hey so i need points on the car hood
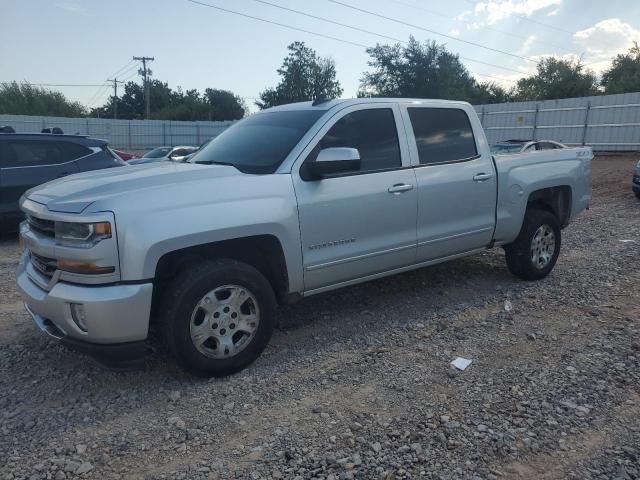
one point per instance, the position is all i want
(75, 193)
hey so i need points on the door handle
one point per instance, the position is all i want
(481, 177)
(400, 188)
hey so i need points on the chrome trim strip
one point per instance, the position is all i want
(451, 237)
(93, 152)
(319, 266)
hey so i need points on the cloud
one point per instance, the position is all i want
(604, 40)
(73, 8)
(493, 11)
(524, 49)
(455, 32)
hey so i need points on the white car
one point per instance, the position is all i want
(519, 146)
(163, 154)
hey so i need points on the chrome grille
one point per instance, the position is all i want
(44, 227)
(46, 266)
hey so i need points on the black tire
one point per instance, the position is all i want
(182, 295)
(637, 192)
(518, 253)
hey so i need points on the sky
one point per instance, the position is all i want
(85, 42)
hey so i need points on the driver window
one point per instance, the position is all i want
(373, 132)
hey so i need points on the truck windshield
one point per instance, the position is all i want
(259, 143)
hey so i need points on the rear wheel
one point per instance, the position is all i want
(217, 317)
(535, 252)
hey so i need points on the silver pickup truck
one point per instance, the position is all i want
(293, 201)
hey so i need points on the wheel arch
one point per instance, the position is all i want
(263, 252)
(556, 200)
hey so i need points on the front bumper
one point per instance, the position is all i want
(115, 317)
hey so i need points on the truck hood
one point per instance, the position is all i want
(75, 193)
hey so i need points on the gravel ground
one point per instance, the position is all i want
(357, 384)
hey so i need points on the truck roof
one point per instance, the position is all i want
(319, 105)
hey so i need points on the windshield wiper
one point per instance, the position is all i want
(212, 162)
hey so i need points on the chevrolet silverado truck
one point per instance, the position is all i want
(293, 201)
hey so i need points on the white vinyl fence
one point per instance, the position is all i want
(608, 122)
(125, 134)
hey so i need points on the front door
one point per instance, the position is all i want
(361, 223)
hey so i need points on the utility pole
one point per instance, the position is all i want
(145, 72)
(115, 96)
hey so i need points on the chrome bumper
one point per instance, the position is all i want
(112, 313)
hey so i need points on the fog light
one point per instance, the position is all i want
(78, 315)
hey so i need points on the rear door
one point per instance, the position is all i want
(456, 184)
(25, 163)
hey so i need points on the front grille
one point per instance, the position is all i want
(44, 227)
(46, 266)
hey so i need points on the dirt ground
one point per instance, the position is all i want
(357, 383)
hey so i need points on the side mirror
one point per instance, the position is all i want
(335, 160)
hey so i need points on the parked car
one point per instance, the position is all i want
(635, 185)
(518, 146)
(289, 202)
(161, 154)
(126, 156)
(29, 159)
(202, 145)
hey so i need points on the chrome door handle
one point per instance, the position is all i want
(399, 188)
(481, 177)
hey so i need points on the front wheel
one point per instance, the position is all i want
(535, 252)
(217, 317)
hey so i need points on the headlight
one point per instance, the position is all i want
(81, 235)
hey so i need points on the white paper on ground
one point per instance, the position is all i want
(461, 363)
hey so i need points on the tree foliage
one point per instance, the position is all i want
(304, 76)
(168, 104)
(26, 99)
(423, 70)
(557, 78)
(624, 74)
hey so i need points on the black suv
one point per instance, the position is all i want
(29, 159)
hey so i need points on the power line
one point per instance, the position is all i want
(105, 86)
(486, 27)
(278, 24)
(336, 38)
(60, 84)
(357, 29)
(433, 32)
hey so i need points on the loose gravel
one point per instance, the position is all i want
(358, 383)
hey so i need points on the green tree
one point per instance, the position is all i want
(224, 105)
(557, 78)
(168, 104)
(624, 74)
(491, 92)
(423, 70)
(304, 76)
(26, 99)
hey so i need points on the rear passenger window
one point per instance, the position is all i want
(28, 153)
(442, 135)
(24, 153)
(373, 132)
(70, 151)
